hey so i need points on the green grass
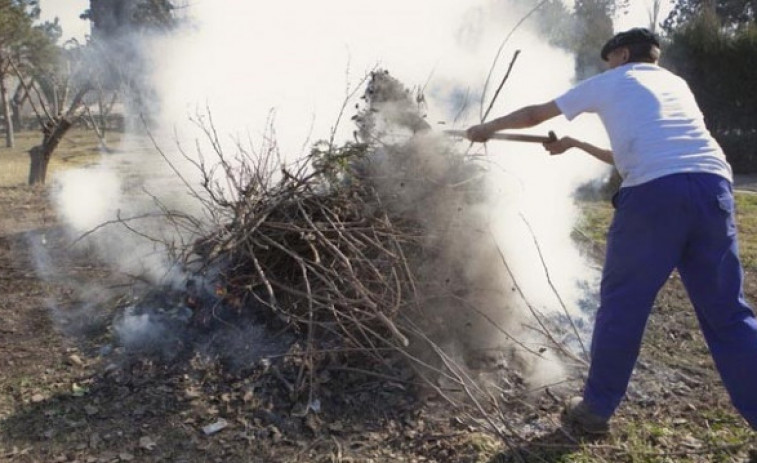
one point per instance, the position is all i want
(724, 438)
(594, 220)
(596, 217)
(746, 215)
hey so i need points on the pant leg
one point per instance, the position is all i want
(644, 244)
(711, 271)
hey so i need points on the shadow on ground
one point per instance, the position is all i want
(546, 448)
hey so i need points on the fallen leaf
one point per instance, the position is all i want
(215, 427)
(691, 442)
(78, 391)
(147, 443)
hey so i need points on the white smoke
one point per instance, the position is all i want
(87, 196)
(291, 65)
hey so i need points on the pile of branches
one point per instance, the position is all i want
(371, 251)
(324, 259)
(314, 244)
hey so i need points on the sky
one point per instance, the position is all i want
(638, 14)
(68, 12)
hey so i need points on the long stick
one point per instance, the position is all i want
(510, 136)
(501, 84)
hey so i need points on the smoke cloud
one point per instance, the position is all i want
(285, 71)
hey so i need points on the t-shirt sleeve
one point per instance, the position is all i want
(586, 97)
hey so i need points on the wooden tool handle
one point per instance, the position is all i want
(512, 136)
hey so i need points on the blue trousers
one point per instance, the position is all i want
(683, 221)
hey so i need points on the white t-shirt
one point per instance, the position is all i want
(653, 121)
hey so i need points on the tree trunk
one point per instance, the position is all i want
(40, 155)
(15, 114)
(17, 102)
(38, 166)
(7, 121)
(708, 7)
(52, 133)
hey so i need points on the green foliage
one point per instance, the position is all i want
(720, 65)
(18, 36)
(22, 44)
(155, 14)
(41, 51)
(594, 27)
(112, 18)
(731, 13)
(334, 164)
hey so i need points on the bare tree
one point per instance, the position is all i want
(653, 12)
(56, 110)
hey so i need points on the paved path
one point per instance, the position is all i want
(745, 182)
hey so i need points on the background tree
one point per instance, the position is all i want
(97, 70)
(732, 14)
(557, 23)
(41, 57)
(119, 31)
(19, 41)
(594, 25)
(653, 12)
(713, 45)
(57, 97)
(582, 30)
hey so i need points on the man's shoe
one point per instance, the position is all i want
(578, 415)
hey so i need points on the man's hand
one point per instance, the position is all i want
(479, 133)
(560, 146)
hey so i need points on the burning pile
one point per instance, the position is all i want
(322, 256)
(376, 246)
(331, 247)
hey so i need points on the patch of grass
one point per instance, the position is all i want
(79, 147)
(714, 433)
(483, 445)
(746, 215)
(662, 441)
(594, 221)
(597, 215)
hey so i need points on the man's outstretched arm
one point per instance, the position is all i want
(528, 116)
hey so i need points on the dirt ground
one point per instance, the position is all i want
(64, 398)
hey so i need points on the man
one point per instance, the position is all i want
(675, 209)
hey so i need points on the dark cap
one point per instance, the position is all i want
(629, 37)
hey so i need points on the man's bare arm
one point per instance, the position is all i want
(565, 143)
(527, 116)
